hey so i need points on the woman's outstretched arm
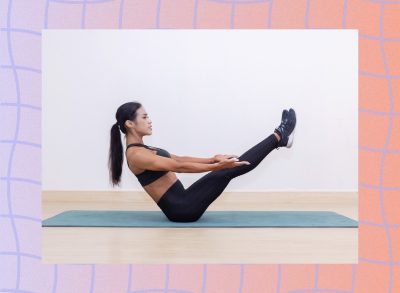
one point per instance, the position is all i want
(148, 161)
(193, 159)
(215, 159)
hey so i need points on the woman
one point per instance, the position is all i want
(155, 168)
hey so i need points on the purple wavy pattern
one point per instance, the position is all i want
(13, 146)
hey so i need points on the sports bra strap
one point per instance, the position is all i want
(135, 144)
(140, 144)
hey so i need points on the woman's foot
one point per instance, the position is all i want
(286, 129)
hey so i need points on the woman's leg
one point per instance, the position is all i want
(205, 190)
(254, 156)
(187, 205)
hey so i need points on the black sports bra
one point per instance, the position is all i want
(149, 176)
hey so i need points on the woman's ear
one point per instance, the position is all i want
(129, 124)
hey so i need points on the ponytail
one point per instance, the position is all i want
(125, 112)
(115, 155)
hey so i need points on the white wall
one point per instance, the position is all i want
(207, 92)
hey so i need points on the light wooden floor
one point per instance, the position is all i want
(78, 245)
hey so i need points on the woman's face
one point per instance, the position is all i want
(143, 122)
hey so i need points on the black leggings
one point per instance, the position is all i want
(188, 205)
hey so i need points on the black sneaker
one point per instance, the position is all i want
(286, 129)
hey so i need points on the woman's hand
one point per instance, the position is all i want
(230, 163)
(219, 158)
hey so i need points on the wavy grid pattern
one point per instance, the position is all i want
(378, 22)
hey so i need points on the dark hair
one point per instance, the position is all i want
(125, 112)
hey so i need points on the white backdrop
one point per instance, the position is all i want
(207, 92)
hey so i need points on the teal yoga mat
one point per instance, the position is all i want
(210, 219)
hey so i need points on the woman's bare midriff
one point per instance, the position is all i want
(157, 188)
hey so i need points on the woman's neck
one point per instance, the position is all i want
(134, 139)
